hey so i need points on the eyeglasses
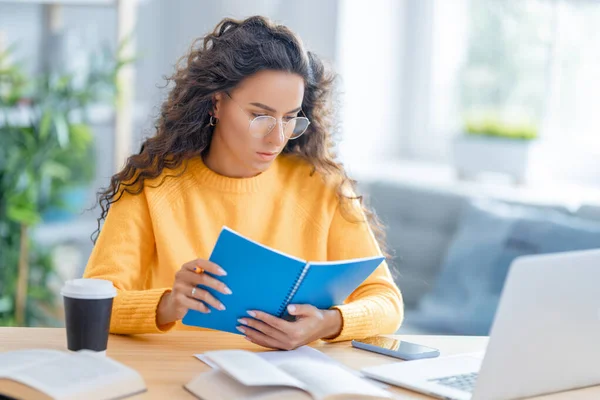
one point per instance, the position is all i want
(262, 125)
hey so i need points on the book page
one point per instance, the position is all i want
(72, 374)
(251, 370)
(14, 360)
(217, 385)
(278, 356)
(328, 381)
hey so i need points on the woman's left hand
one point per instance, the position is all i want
(311, 324)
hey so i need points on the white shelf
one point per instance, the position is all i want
(78, 3)
(78, 230)
(439, 177)
(99, 114)
(64, 2)
(126, 11)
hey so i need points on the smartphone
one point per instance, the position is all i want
(396, 348)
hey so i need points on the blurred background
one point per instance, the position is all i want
(471, 126)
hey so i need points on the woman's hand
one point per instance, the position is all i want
(311, 324)
(185, 294)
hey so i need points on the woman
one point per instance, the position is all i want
(243, 140)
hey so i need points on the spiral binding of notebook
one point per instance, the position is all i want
(293, 291)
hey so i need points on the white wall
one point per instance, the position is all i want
(370, 54)
(21, 25)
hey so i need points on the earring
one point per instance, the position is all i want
(213, 121)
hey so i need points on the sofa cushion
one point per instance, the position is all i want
(491, 235)
(420, 224)
(589, 212)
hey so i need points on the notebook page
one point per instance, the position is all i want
(329, 283)
(325, 380)
(259, 277)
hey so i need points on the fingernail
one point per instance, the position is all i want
(239, 328)
(247, 338)
(221, 306)
(242, 321)
(227, 290)
(291, 308)
(222, 271)
(252, 314)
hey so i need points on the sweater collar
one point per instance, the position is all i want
(209, 178)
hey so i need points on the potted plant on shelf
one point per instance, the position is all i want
(46, 150)
(491, 144)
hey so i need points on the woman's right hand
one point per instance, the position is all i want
(185, 294)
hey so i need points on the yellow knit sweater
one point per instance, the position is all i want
(147, 237)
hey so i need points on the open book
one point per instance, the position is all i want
(51, 374)
(245, 375)
(268, 280)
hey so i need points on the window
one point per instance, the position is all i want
(535, 61)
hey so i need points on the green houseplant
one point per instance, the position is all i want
(46, 148)
(495, 127)
(491, 144)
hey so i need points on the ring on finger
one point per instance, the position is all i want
(193, 291)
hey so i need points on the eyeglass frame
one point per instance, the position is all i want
(251, 119)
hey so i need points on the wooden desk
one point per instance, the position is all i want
(166, 361)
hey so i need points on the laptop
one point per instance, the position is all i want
(545, 337)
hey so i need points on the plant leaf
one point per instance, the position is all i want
(23, 214)
(45, 124)
(55, 170)
(81, 135)
(62, 130)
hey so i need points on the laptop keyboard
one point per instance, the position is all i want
(464, 382)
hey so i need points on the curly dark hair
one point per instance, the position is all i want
(217, 63)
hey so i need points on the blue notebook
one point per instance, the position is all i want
(268, 280)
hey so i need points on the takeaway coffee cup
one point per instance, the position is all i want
(88, 307)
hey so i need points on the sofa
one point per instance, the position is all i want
(452, 245)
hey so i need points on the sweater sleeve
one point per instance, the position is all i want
(376, 306)
(123, 254)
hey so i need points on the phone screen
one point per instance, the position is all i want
(397, 345)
